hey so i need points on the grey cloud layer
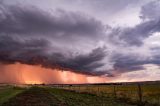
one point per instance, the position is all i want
(27, 34)
(136, 35)
(19, 20)
(73, 40)
(150, 10)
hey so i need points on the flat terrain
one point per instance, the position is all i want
(35, 96)
(83, 99)
(46, 96)
(146, 94)
(7, 92)
(80, 95)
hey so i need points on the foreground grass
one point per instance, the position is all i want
(124, 93)
(34, 96)
(71, 98)
(47, 96)
(8, 92)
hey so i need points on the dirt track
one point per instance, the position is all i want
(34, 97)
(48, 96)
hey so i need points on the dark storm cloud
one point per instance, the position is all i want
(127, 63)
(32, 36)
(34, 52)
(19, 25)
(33, 21)
(123, 63)
(87, 62)
(135, 36)
(12, 50)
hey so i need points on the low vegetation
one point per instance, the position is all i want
(71, 98)
(81, 95)
(34, 96)
(145, 94)
(48, 96)
(7, 92)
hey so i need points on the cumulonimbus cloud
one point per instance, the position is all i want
(27, 34)
(73, 40)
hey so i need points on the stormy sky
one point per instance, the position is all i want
(111, 38)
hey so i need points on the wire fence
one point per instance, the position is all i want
(137, 93)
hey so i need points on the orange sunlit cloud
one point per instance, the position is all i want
(29, 74)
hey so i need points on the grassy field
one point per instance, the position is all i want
(34, 96)
(81, 95)
(7, 92)
(71, 98)
(47, 96)
(148, 94)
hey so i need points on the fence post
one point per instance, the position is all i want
(158, 101)
(140, 93)
(114, 91)
(98, 90)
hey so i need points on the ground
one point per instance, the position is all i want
(47, 96)
(7, 92)
(35, 96)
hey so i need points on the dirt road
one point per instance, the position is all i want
(35, 96)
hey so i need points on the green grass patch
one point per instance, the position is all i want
(72, 98)
(34, 96)
(9, 92)
(123, 93)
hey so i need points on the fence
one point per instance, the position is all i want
(136, 93)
